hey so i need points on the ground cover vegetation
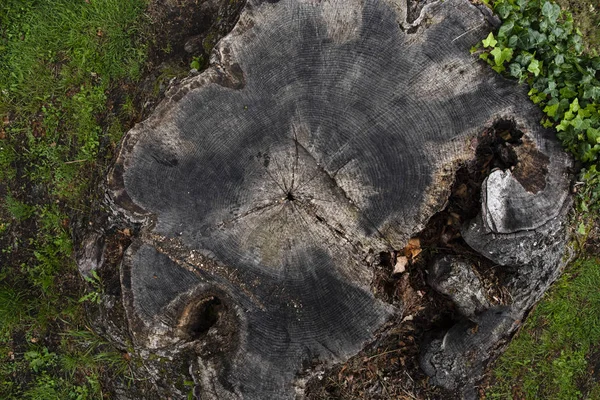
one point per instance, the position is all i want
(60, 63)
(555, 52)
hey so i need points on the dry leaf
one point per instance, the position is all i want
(407, 318)
(400, 266)
(413, 248)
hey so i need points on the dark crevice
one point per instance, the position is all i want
(426, 313)
(253, 210)
(414, 8)
(442, 234)
(203, 317)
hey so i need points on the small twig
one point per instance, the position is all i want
(74, 161)
(412, 396)
(383, 354)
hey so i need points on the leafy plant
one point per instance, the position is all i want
(198, 63)
(41, 359)
(539, 44)
(94, 295)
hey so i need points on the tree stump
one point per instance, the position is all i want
(322, 134)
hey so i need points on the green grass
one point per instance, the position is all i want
(60, 62)
(548, 359)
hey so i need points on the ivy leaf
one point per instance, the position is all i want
(567, 92)
(501, 55)
(534, 67)
(503, 9)
(515, 70)
(524, 58)
(592, 92)
(489, 41)
(551, 110)
(559, 59)
(564, 124)
(506, 29)
(593, 135)
(551, 11)
(546, 123)
(574, 107)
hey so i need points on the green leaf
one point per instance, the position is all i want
(546, 123)
(535, 67)
(593, 135)
(592, 92)
(503, 9)
(515, 70)
(567, 92)
(551, 11)
(564, 124)
(506, 29)
(489, 41)
(551, 110)
(574, 105)
(581, 229)
(501, 55)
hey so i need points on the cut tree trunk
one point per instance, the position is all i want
(323, 134)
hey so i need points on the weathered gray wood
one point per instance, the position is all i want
(323, 133)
